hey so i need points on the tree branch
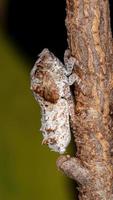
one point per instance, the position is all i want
(90, 47)
(90, 43)
(73, 168)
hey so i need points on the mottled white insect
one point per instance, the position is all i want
(50, 87)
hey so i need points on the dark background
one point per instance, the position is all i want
(34, 25)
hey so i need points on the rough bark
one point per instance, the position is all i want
(90, 42)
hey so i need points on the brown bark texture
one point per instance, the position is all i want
(90, 42)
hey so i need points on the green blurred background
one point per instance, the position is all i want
(27, 169)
